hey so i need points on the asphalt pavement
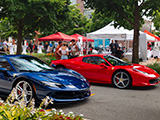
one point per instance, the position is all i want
(110, 103)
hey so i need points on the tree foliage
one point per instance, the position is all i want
(30, 15)
(127, 13)
(6, 29)
(156, 21)
(98, 21)
(75, 22)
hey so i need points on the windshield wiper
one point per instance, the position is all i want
(46, 70)
(26, 71)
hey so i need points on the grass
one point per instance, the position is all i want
(45, 57)
(155, 66)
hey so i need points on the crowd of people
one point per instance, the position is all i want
(62, 50)
(66, 50)
(6, 46)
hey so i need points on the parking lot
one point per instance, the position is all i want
(110, 103)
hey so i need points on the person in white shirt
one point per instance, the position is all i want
(56, 44)
(64, 51)
(74, 49)
(79, 45)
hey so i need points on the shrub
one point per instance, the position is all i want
(45, 57)
(155, 66)
(18, 110)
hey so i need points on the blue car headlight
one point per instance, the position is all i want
(52, 84)
(150, 75)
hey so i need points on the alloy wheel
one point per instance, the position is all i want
(24, 90)
(121, 79)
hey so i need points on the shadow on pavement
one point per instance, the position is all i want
(103, 85)
(144, 88)
(131, 88)
(68, 104)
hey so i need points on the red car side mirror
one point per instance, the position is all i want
(103, 65)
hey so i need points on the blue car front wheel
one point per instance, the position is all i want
(24, 90)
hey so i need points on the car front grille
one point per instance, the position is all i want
(153, 81)
(70, 94)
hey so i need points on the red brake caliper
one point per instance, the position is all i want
(19, 92)
(117, 79)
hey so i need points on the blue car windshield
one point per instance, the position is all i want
(115, 61)
(29, 64)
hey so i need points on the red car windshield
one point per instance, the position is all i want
(115, 61)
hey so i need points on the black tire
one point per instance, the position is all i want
(122, 79)
(60, 67)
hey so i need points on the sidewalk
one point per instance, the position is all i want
(150, 61)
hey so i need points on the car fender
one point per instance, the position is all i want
(121, 70)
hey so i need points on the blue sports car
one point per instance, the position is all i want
(36, 79)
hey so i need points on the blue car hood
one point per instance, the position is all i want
(59, 76)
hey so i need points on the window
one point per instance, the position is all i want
(115, 61)
(29, 64)
(4, 64)
(94, 60)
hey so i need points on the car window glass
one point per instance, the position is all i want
(99, 60)
(115, 61)
(88, 60)
(4, 64)
(94, 60)
(29, 64)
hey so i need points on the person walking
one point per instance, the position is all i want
(74, 49)
(45, 47)
(56, 53)
(30, 47)
(79, 45)
(51, 47)
(5, 45)
(116, 45)
(112, 47)
(35, 47)
(64, 51)
(55, 44)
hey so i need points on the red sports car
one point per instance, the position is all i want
(110, 70)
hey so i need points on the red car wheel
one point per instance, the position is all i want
(121, 79)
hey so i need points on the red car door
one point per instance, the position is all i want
(90, 68)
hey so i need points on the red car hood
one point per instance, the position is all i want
(144, 68)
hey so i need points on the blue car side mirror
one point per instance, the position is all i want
(53, 65)
(3, 70)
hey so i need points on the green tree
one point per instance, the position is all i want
(156, 21)
(30, 15)
(127, 13)
(98, 21)
(75, 22)
(6, 29)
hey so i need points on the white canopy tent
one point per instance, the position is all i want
(110, 32)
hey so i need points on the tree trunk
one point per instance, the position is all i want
(19, 42)
(135, 57)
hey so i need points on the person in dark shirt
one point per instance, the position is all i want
(116, 45)
(35, 48)
(30, 47)
(45, 47)
(112, 47)
(119, 53)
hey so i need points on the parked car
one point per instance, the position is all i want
(102, 68)
(37, 80)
